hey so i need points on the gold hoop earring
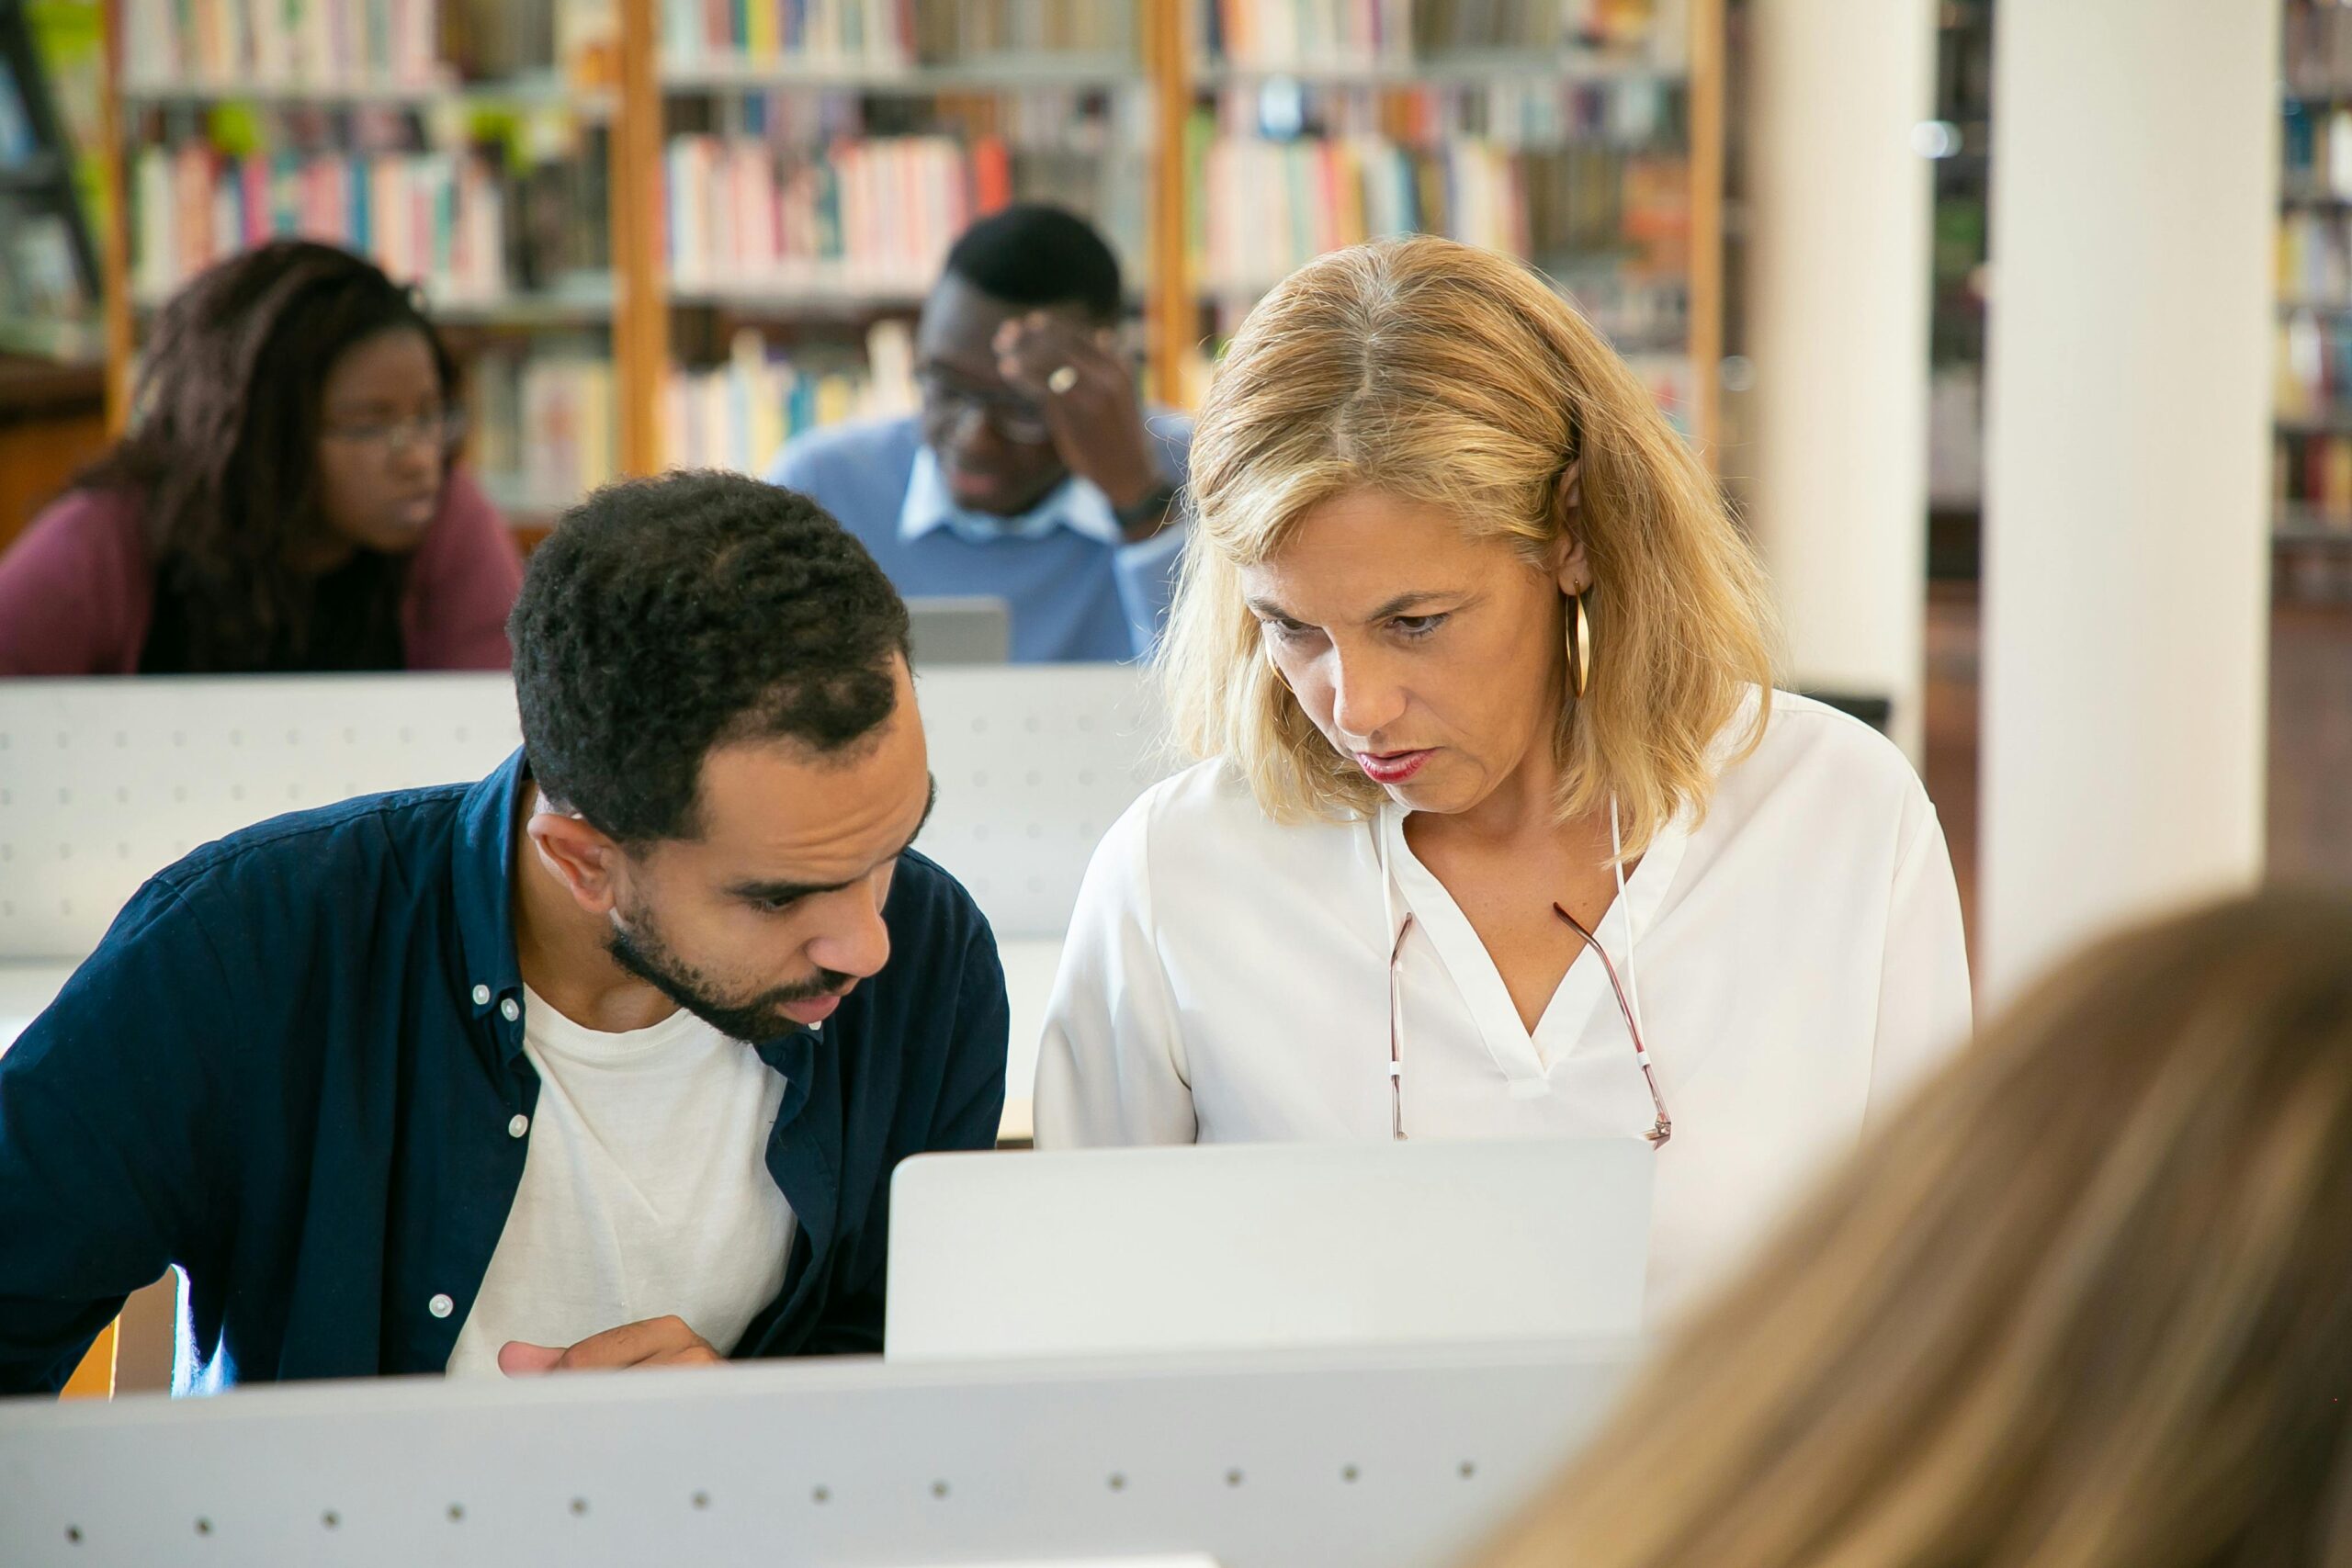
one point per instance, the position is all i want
(1580, 645)
(1276, 671)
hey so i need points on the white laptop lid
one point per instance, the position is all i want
(1264, 1246)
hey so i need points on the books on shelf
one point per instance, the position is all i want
(737, 414)
(1267, 206)
(2316, 257)
(978, 29)
(283, 44)
(1275, 34)
(873, 217)
(814, 34)
(433, 217)
(2317, 49)
(1394, 35)
(2312, 480)
(2313, 365)
(1484, 25)
(2316, 152)
(543, 423)
(884, 35)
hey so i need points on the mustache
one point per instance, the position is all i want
(824, 982)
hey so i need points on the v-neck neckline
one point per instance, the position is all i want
(1518, 1051)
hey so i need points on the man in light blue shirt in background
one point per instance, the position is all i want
(1032, 473)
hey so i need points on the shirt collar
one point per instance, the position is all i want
(483, 858)
(483, 881)
(1076, 505)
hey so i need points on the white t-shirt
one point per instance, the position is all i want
(1797, 955)
(645, 1190)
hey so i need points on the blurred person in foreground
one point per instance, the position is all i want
(2087, 1300)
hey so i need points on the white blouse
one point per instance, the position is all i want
(1797, 955)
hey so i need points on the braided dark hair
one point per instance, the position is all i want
(224, 447)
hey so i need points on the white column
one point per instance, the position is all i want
(1838, 296)
(2127, 562)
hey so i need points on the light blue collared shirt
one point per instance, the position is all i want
(1076, 589)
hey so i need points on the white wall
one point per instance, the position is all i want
(2134, 174)
(1838, 296)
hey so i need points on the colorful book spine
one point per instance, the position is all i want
(738, 415)
(1274, 35)
(283, 44)
(808, 34)
(2316, 257)
(872, 216)
(543, 430)
(434, 219)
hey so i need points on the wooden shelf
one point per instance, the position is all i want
(638, 300)
(539, 89)
(2309, 525)
(40, 172)
(67, 343)
(1003, 74)
(844, 299)
(583, 300)
(1457, 68)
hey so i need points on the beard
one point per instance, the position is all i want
(636, 945)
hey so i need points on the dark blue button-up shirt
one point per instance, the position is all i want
(290, 1070)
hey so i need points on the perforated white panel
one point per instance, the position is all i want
(105, 782)
(1394, 1459)
(1034, 762)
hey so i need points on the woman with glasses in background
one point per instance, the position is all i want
(286, 499)
(1499, 828)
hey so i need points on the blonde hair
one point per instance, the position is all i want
(1443, 374)
(2085, 1303)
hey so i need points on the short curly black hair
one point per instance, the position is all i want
(665, 617)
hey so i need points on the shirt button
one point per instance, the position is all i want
(440, 1306)
(510, 1010)
(520, 1125)
(481, 995)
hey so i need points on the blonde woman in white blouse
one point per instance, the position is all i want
(1499, 828)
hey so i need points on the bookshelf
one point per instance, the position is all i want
(2311, 466)
(770, 188)
(50, 284)
(1586, 137)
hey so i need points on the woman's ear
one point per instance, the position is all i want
(1568, 562)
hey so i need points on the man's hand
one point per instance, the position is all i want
(655, 1342)
(1088, 393)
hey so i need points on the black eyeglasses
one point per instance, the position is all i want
(1015, 417)
(1659, 1131)
(444, 432)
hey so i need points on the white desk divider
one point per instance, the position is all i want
(105, 782)
(1265, 1460)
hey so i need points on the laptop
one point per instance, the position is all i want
(1266, 1246)
(960, 629)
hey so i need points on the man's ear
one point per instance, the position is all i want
(580, 856)
(1568, 562)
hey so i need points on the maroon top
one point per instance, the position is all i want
(77, 591)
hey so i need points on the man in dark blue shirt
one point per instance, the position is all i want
(452, 1079)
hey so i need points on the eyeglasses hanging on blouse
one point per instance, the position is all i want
(1630, 1007)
